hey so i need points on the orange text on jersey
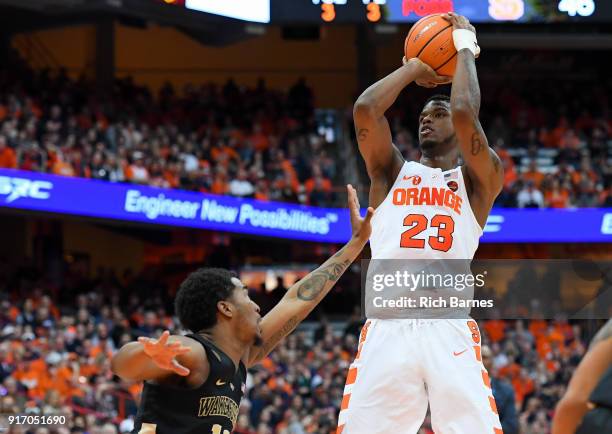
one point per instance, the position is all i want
(427, 196)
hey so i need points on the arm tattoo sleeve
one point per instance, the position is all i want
(312, 286)
(289, 326)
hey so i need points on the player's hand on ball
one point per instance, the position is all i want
(361, 226)
(459, 21)
(163, 353)
(426, 76)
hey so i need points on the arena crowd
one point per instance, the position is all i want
(56, 342)
(265, 144)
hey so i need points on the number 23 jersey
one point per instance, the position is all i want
(426, 215)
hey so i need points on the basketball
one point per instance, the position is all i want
(431, 40)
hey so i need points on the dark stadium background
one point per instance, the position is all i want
(90, 88)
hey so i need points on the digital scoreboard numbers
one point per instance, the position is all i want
(371, 9)
(478, 11)
(583, 8)
(400, 11)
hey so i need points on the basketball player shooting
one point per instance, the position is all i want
(193, 384)
(404, 364)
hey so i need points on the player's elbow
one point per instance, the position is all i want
(120, 364)
(115, 366)
(572, 402)
(364, 110)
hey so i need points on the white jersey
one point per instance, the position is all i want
(426, 215)
(404, 365)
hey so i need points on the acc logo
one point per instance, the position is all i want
(17, 188)
(453, 185)
(416, 179)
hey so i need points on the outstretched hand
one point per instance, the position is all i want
(163, 353)
(361, 226)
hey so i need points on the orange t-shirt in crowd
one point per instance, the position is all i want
(260, 142)
(220, 152)
(172, 179)
(535, 176)
(261, 196)
(538, 328)
(496, 329)
(8, 159)
(510, 176)
(219, 187)
(522, 387)
(62, 168)
(310, 183)
(558, 199)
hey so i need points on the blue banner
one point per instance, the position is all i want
(126, 202)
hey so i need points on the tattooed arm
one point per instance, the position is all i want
(482, 165)
(383, 160)
(302, 297)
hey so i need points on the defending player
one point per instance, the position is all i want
(404, 364)
(194, 383)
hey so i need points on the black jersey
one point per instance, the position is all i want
(211, 408)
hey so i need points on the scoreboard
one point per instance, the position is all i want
(407, 11)
(401, 11)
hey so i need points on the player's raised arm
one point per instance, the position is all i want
(383, 160)
(154, 359)
(482, 164)
(302, 297)
(574, 405)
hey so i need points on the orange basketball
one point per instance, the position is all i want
(431, 40)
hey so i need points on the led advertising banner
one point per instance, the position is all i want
(45, 193)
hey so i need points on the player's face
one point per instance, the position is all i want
(248, 317)
(435, 125)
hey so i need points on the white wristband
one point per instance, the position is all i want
(463, 38)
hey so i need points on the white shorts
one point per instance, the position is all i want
(402, 365)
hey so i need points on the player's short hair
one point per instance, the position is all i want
(196, 300)
(438, 97)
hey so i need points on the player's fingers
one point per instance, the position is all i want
(163, 338)
(443, 79)
(352, 201)
(355, 197)
(179, 369)
(423, 83)
(368, 216)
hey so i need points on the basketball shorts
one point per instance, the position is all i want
(403, 365)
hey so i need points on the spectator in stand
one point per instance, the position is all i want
(179, 140)
(533, 175)
(8, 158)
(530, 197)
(503, 394)
(241, 186)
(137, 171)
(555, 196)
